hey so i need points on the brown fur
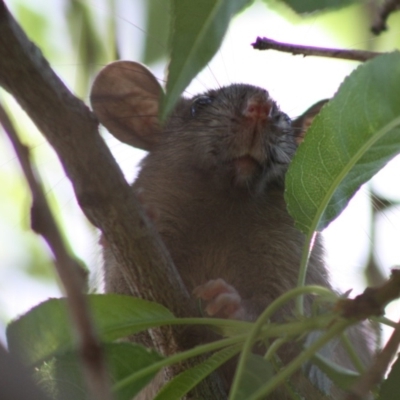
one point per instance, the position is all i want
(219, 221)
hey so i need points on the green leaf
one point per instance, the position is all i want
(89, 45)
(48, 324)
(63, 377)
(257, 372)
(125, 359)
(198, 30)
(186, 381)
(390, 387)
(351, 139)
(307, 6)
(157, 30)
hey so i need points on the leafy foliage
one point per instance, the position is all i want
(50, 348)
(343, 378)
(157, 29)
(257, 372)
(352, 138)
(115, 316)
(198, 30)
(308, 6)
(187, 380)
(62, 376)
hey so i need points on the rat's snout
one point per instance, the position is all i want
(258, 107)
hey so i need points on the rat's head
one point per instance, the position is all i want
(235, 135)
(238, 133)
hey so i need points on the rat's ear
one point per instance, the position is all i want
(125, 98)
(302, 123)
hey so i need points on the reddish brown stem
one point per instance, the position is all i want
(387, 8)
(375, 374)
(296, 49)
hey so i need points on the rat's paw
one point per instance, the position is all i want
(222, 299)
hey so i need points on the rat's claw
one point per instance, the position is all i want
(223, 299)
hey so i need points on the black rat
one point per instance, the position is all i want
(213, 184)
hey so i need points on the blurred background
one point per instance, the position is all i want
(79, 37)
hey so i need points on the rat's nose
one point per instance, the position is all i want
(258, 107)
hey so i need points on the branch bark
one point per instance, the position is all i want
(68, 270)
(99, 185)
(297, 49)
(373, 302)
(375, 374)
(384, 11)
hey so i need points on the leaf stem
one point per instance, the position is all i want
(338, 327)
(176, 358)
(385, 321)
(305, 256)
(355, 359)
(262, 319)
(274, 347)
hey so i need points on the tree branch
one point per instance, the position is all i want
(68, 270)
(372, 302)
(375, 374)
(99, 185)
(387, 8)
(296, 49)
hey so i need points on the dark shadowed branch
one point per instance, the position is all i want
(382, 15)
(15, 381)
(373, 302)
(68, 270)
(376, 373)
(99, 185)
(98, 182)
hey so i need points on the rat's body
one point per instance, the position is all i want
(217, 220)
(214, 183)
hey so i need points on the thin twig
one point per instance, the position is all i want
(296, 49)
(375, 374)
(68, 270)
(387, 8)
(373, 300)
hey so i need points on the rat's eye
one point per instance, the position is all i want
(199, 103)
(280, 118)
(284, 119)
